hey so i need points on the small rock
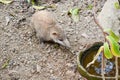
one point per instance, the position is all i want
(85, 35)
(14, 50)
(12, 71)
(81, 47)
(31, 10)
(54, 78)
(38, 68)
(7, 18)
(33, 70)
(70, 73)
(14, 76)
(51, 71)
(70, 64)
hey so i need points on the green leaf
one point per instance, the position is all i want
(74, 13)
(38, 7)
(107, 51)
(117, 5)
(33, 2)
(5, 64)
(6, 1)
(114, 46)
(114, 35)
(111, 33)
(90, 7)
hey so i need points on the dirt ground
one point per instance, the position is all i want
(22, 58)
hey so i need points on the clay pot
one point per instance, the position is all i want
(82, 70)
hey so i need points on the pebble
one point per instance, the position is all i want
(54, 78)
(70, 73)
(31, 10)
(38, 68)
(51, 71)
(70, 64)
(85, 35)
(7, 20)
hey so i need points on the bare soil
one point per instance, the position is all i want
(22, 58)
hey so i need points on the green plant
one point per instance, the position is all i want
(109, 49)
(117, 6)
(90, 6)
(74, 14)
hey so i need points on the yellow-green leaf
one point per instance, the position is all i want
(114, 35)
(117, 5)
(111, 33)
(38, 7)
(107, 51)
(90, 7)
(114, 46)
(31, 1)
(6, 1)
(74, 13)
(5, 64)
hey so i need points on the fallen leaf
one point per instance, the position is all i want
(74, 13)
(38, 7)
(5, 64)
(90, 7)
(6, 1)
(117, 5)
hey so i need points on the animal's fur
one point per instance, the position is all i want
(47, 29)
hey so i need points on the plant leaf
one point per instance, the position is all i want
(6, 1)
(74, 13)
(90, 6)
(111, 33)
(95, 58)
(117, 5)
(38, 7)
(114, 35)
(114, 46)
(107, 51)
(5, 64)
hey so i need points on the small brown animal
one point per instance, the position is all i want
(47, 29)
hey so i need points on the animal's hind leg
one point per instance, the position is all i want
(41, 41)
